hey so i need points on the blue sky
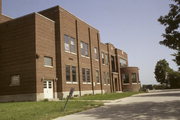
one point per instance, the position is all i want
(130, 25)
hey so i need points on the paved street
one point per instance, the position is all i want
(157, 105)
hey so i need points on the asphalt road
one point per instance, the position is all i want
(157, 105)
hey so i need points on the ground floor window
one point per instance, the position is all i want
(71, 75)
(106, 77)
(86, 74)
(125, 78)
(134, 78)
(97, 76)
(15, 80)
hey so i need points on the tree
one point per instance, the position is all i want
(171, 21)
(161, 71)
(174, 78)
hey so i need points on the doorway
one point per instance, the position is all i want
(48, 89)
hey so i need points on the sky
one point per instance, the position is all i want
(131, 25)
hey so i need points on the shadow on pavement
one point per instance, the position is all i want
(137, 111)
(160, 94)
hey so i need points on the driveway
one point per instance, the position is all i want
(156, 105)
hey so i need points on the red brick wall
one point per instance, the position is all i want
(45, 46)
(17, 55)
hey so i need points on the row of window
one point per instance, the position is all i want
(70, 46)
(125, 78)
(71, 75)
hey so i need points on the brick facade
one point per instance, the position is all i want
(25, 42)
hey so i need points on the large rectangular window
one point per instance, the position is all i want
(134, 79)
(48, 61)
(97, 76)
(96, 55)
(84, 49)
(125, 78)
(69, 44)
(86, 75)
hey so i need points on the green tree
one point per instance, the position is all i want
(161, 71)
(171, 21)
(174, 78)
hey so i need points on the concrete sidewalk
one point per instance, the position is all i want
(147, 106)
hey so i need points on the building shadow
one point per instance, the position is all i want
(137, 111)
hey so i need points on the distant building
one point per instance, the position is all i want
(44, 54)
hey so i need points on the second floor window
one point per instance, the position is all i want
(96, 55)
(103, 59)
(69, 44)
(123, 62)
(84, 49)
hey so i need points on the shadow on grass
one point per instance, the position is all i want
(137, 111)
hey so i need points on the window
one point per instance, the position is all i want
(103, 60)
(96, 56)
(86, 74)
(106, 77)
(68, 78)
(15, 80)
(84, 49)
(133, 78)
(48, 61)
(106, 59)
(73, 73)
(123, 62)
(97, 76)
(125, 78)
(69, 44)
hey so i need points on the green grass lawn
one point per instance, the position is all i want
(41, 110)
(110, 96)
